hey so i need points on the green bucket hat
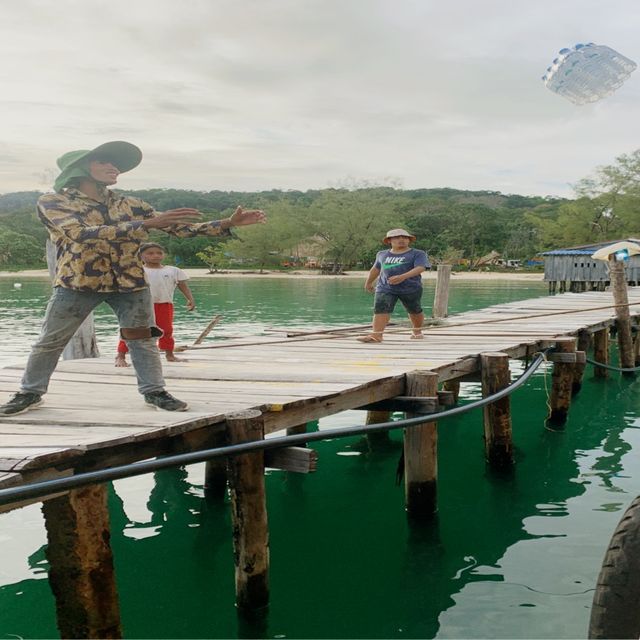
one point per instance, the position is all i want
(124, 155)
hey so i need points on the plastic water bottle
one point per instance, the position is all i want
(587, 72)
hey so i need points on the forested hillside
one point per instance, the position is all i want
(346, 225)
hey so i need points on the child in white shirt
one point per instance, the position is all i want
(163, 281)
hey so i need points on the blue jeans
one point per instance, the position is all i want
(67, 310)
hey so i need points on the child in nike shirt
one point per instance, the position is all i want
(398, 271)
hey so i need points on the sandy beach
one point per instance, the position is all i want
(203, 273)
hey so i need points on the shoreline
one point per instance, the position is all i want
(303, 275)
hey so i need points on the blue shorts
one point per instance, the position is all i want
(386, 302)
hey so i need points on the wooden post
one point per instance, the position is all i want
(299, 428)
(601, 352)
(636, 348)
(215, 479)
(561, 384)
(421, 452)
(441, 297)
(249, 513)
(454, 387)
(497, 415)
(382, 437)
(623, 318)
(584, 342)
(81, 570)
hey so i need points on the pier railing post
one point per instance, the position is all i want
(81, 570)
(249, 513)
(441, 296)
(561, 383)
(623, 317)
(497, 415)
(421, 452)
(601, 352)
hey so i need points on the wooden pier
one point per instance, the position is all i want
(245, 389)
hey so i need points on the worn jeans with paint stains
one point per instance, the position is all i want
(67, 310)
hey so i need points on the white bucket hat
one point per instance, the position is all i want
(394, 233)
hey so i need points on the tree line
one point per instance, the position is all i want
(343, 227)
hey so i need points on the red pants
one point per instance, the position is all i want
(164, 320)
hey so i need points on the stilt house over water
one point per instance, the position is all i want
(573, 268)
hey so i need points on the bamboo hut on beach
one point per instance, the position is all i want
(573, 268)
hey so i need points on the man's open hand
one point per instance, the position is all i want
(184, 215)
(242, 217)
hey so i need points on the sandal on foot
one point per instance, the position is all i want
(369, 338)
(417, 336)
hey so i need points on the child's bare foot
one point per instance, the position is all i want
(171, 358)
(121, 361)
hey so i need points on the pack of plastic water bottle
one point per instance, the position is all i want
(587, 72)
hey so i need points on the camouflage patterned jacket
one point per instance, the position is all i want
(97, 242)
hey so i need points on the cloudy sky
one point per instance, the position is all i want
(299, 94)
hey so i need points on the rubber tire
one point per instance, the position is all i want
(615, 612)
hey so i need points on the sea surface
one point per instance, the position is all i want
(512, 555)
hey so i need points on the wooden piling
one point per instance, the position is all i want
(497, 415)
(299, 428)
(601, 352)
(454, 387)
(381, 437)
(215, 479)
(81, 570)
(584, 342)
(561, 383)
(441, 296)
(421, 452)
(623, 318)
(249, 513)
(215, 474)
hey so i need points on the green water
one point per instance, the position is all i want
(509, 556)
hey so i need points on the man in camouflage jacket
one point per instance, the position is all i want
(97, 235)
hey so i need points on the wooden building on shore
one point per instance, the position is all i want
(573, 268)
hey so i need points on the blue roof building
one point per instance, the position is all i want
(573, 268)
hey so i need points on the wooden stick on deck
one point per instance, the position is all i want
(497, 415)
(561, 383)
(82, 577)
(249, 513)
(207, 330)
(623, 322)
(421, 452)
(601, 352)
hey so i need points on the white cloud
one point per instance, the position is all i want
(288, 94)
